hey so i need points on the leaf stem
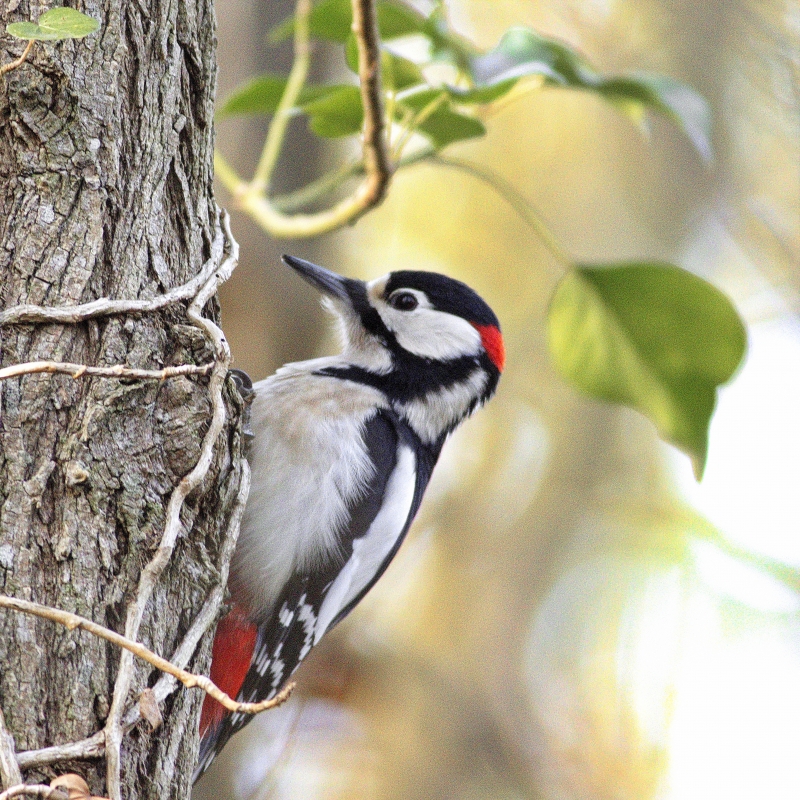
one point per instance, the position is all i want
(516, 200)
(294, 85)
(18, 61)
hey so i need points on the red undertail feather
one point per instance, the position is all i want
(493, 344)
(230, 660)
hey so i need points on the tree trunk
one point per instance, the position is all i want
(106, 164)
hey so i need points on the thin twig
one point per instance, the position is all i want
(375, 150)
(92, 747)
(33, 790)
(104, 307)
(9, 766)
(166, 684)
(518, 202)
(18, 61)
(152, 571)
(283, 113)
(319, 188)
(189, 679)
(116, 371)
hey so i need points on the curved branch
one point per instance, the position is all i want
(172, 527)
(375, 150)
(283, 113)
(189, 679)
(94, 746)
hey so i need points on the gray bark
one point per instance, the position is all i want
(106, 164)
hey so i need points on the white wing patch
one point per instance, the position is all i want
(371, 550)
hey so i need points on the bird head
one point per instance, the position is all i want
(428, 341)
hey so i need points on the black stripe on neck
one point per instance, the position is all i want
(413, 378)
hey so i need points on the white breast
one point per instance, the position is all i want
(308, 459)
(371, 550)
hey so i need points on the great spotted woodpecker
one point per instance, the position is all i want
(343, 449)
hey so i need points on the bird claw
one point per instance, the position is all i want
(244, 385)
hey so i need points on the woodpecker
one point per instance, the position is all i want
(343, 449)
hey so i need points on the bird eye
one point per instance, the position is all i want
(403, 301)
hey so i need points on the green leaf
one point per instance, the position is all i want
(333, 20)
(338, 112)
(329, 19)
(523, 52)
(650, 336)
(58, 23)
(682, 104)
(480, 95)
(396, 19)
(262, 95)
(443, 126)
(446, 126)
(398, 73)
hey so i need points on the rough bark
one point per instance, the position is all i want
(105, 191)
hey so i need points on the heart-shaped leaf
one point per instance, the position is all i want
(58, 23)
(650, 336)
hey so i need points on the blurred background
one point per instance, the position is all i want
(572, 616)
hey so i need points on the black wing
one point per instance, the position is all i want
(287, 636)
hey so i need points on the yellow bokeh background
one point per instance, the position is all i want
(572, 616)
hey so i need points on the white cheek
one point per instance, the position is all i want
(433, 334)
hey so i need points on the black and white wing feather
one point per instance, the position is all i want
(313, 601)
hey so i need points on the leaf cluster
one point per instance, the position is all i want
(646, 335)
(444, 112)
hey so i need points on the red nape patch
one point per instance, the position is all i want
(493, 344)
(230, 660)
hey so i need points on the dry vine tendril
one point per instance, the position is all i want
(54, 25)
(218, 268)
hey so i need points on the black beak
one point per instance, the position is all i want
(327, 282)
